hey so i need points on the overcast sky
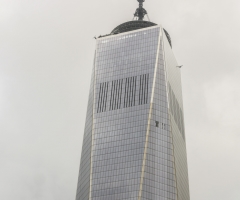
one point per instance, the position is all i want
(46, 56)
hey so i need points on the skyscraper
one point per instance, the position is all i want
(134, 141)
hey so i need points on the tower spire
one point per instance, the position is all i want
(140, 12)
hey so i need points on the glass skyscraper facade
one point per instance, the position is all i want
(134, 141)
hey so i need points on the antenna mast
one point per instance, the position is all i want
(140, 12)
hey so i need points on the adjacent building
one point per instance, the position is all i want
(134, 144)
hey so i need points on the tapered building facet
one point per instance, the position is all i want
(134, 140)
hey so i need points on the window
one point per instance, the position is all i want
(164, 126)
